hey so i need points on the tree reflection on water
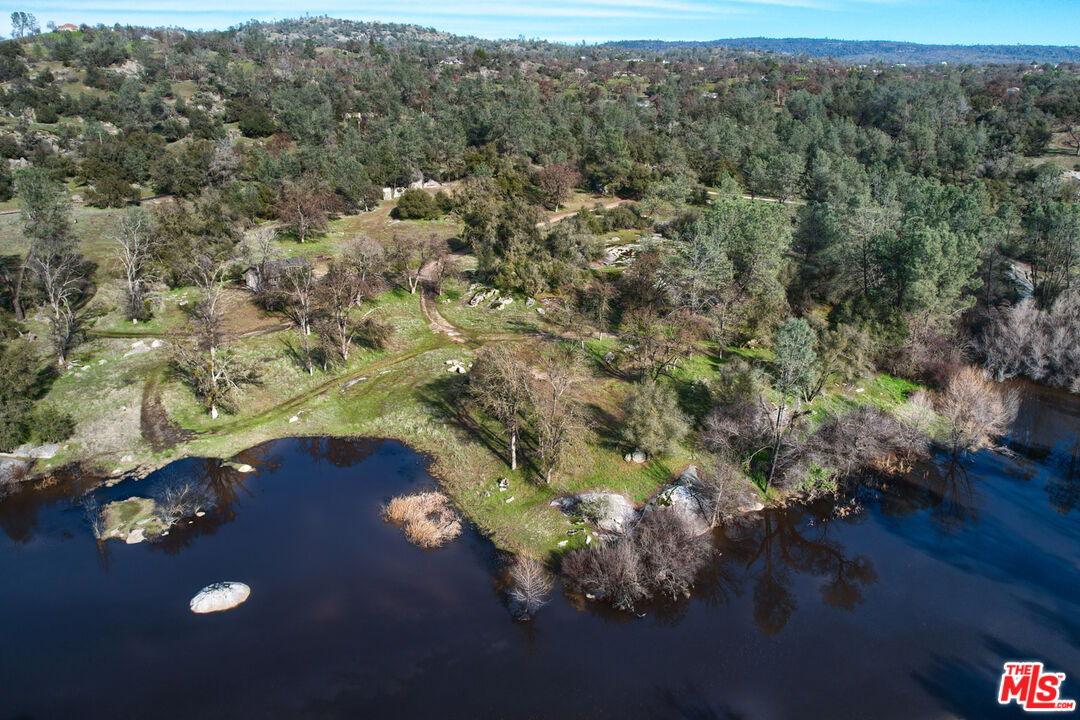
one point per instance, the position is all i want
(791, 542)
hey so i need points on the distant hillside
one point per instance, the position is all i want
(865, 51)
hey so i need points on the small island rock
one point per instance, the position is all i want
(219, 596)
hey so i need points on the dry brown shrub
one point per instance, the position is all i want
(976, 410)
(427, 518)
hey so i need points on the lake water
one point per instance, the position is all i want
(905, 609)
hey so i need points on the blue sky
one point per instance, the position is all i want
(1055, 22)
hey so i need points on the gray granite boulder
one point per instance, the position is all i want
(219, 596)
(610, 512)
(684, 498)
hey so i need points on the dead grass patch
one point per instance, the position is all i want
(427, 518)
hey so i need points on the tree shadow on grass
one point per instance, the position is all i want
(447, 400)
(695, 399)
(605, 426)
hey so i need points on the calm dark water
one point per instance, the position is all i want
(906, 609)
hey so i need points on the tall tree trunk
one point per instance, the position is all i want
(16, 294)
(776, 447)
(513, 449)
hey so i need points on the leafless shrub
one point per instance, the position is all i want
(661, 556)
(530, 587)
(670, 553)
(608, 572)
(427, 518)
(375, 332)
(1043, 345)
(917, 415)
(724, 492)
(848, 443)
(181, 499)
(976, 410)
(738, 431)
(94, 517)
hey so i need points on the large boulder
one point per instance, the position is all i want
(684, 498)
(37, 452)
(610, 512)
(219, 596)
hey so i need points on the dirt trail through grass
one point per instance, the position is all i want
(435, 320)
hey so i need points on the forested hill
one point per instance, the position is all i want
(865, 51)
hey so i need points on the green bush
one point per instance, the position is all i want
(417, 205)
(47, 114)
(444, 201)
(50, 425)
(654, 421)
(255, 121)
(7, 187)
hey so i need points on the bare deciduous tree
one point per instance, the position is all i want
(1043, 345)
(976, 410)
(215, 375)
(261, 251)
(298, 287)
(208, 274)
(134, 249)
(304, 211)
(367, 257)
(555, 182)
(338, 294)
(660, 555)
(62, 283)
(499, 382)
(558, 417)
(598, 301)
(180, 499)
(409, 256)
(529, 588)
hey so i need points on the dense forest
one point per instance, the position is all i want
(740, 240)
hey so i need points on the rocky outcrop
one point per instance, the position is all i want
(219, 596)
(36, 452)
(610, 512)
(690, 502)
(684, 498)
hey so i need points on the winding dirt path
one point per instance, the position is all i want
(436, 322)
(552, 219)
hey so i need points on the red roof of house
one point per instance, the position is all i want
(68, 27)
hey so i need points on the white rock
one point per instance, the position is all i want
(156, 344)
(610, 512)
(294, 418)
(683, 498)
(135, 536)
(219, 596)
(245, 468)
(36, 452)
